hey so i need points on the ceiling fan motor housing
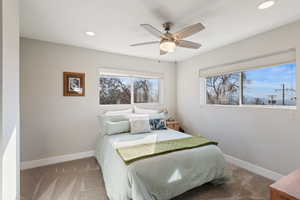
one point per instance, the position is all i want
(167, 26)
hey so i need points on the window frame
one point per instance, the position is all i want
(241, 95)
(132, 75)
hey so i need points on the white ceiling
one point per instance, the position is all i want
(116, 22)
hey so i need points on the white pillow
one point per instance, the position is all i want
(119, 112)
(151, 116)
(161, 115)
(145, 111)
(139, 125)
(112, 128)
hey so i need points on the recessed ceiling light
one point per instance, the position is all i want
(266, 4)
(90, 33)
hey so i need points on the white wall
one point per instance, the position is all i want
(53, 125)
(269, 138)
(9, 135)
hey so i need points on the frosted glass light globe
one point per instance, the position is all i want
(168, 46)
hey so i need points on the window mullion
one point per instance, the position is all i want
(241, 88)
(132, 90)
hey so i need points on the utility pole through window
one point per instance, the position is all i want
(284, 90)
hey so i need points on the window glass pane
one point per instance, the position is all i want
(223, 89)
(274, 85)
(115, 90)
(146, 90)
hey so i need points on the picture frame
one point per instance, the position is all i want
(74, 84)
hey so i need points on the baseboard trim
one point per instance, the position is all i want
(253, 168)
(55, 159)
(58, 159)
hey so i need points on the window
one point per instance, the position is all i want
(146, 90)
(115, 90)
(274, 85)
(223, 89)
(270, 86)
(126, 89)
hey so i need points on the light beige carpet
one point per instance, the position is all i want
(82, 180)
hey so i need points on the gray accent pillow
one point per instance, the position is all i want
(110, 118)
(112, 128)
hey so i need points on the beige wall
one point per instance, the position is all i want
(9, 93)
(53, 125)
(269, 138)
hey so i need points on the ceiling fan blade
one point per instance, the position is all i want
(163, 52)
(188, 44)
(144, 43)
(190, 30)
(153, 30)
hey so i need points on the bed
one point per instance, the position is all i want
(159, 177)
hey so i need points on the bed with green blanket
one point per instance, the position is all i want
(157, 165)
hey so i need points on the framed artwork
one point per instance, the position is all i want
(74, 84)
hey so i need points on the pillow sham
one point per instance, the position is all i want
(158, 124)
(112, 128)
(157, 116)
(145, 111)
(119, 112)
(139, 125)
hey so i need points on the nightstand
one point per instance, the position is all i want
(287, 188)
(173, 125)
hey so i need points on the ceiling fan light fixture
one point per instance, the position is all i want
(167, 46)
(90, 33)
(266, 4)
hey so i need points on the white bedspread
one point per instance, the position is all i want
(159, 177)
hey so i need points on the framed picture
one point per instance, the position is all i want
(74, 84)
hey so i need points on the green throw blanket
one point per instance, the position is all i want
(137, 152)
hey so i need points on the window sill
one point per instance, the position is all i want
(259, 107)
(130, 105)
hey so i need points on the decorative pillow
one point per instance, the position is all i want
(119, 112)
(158, 124)
(145, 111)
(112, 128)
(139, 125)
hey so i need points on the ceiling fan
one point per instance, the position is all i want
(169, 41)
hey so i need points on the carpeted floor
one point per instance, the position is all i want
(82, 180)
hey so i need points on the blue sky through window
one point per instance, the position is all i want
(265, 85)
